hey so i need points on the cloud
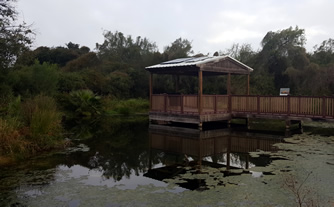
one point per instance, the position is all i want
(234, 35)
(211, 26)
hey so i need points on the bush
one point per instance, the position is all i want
(85, 103)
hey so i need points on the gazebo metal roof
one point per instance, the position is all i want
(215, 65)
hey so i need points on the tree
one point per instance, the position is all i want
(14, 38)
(35, 79)
(121, 48)
(180, 48)
(324, 53)
(243, 53)
(280, 50)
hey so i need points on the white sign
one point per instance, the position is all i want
(284, 91)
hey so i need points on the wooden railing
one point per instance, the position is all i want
(322, 107)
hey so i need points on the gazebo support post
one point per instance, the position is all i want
(247, 101)
(151, 89)
(200, 96)
(248, 78)
(229, 84)
(229, 93)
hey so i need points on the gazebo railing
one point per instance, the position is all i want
(269, 105)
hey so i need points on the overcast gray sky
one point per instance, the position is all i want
(211, 25)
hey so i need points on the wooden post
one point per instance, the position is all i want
(229, 84)
(247, 162)
(182, 109)
(200, 92)
(150, 152)
(228, 154)
(215, 104)
(200, 152)
(229, 96)
(151, 89)
(287, 127)
(165, 102)
(324, 107)
(300, 125)
(247, 91)
(289, 105)
(299, 106)
(258, 104)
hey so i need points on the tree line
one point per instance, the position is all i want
(116, 68)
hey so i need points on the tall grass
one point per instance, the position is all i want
(43, 119)
(30, 126)
(12, 140)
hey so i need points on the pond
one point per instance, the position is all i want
(132, 163)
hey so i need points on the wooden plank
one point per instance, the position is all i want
(224, 70)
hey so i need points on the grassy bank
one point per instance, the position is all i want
(30, 126)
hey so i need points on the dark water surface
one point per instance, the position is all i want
(131, 156)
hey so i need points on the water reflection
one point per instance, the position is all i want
(183, 150)
(126, 154)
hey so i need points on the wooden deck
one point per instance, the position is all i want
(185, 108)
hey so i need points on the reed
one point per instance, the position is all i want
(12, 141)
(43, 119)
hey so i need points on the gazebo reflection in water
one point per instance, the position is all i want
(182, 149)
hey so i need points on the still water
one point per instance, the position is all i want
(110, 161)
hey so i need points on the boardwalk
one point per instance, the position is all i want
(200, 108)
(185, 108)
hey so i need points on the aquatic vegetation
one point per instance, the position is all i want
(115, 166)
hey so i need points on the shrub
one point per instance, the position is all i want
(85, 103)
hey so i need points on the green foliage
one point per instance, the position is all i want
(35, 79)
(84, 103)
(70, 81)
(6, 94)
(120, 83)
(96, 81)
(85, 61)
(14, 38)
(126, 107)
(30, 126)
(324, 53)
(43, 119)
(243, 53)
(180, 48)
(11, 140)
(117, 47)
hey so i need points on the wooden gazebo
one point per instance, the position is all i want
(197, 108)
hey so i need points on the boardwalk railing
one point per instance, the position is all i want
(322, 107)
